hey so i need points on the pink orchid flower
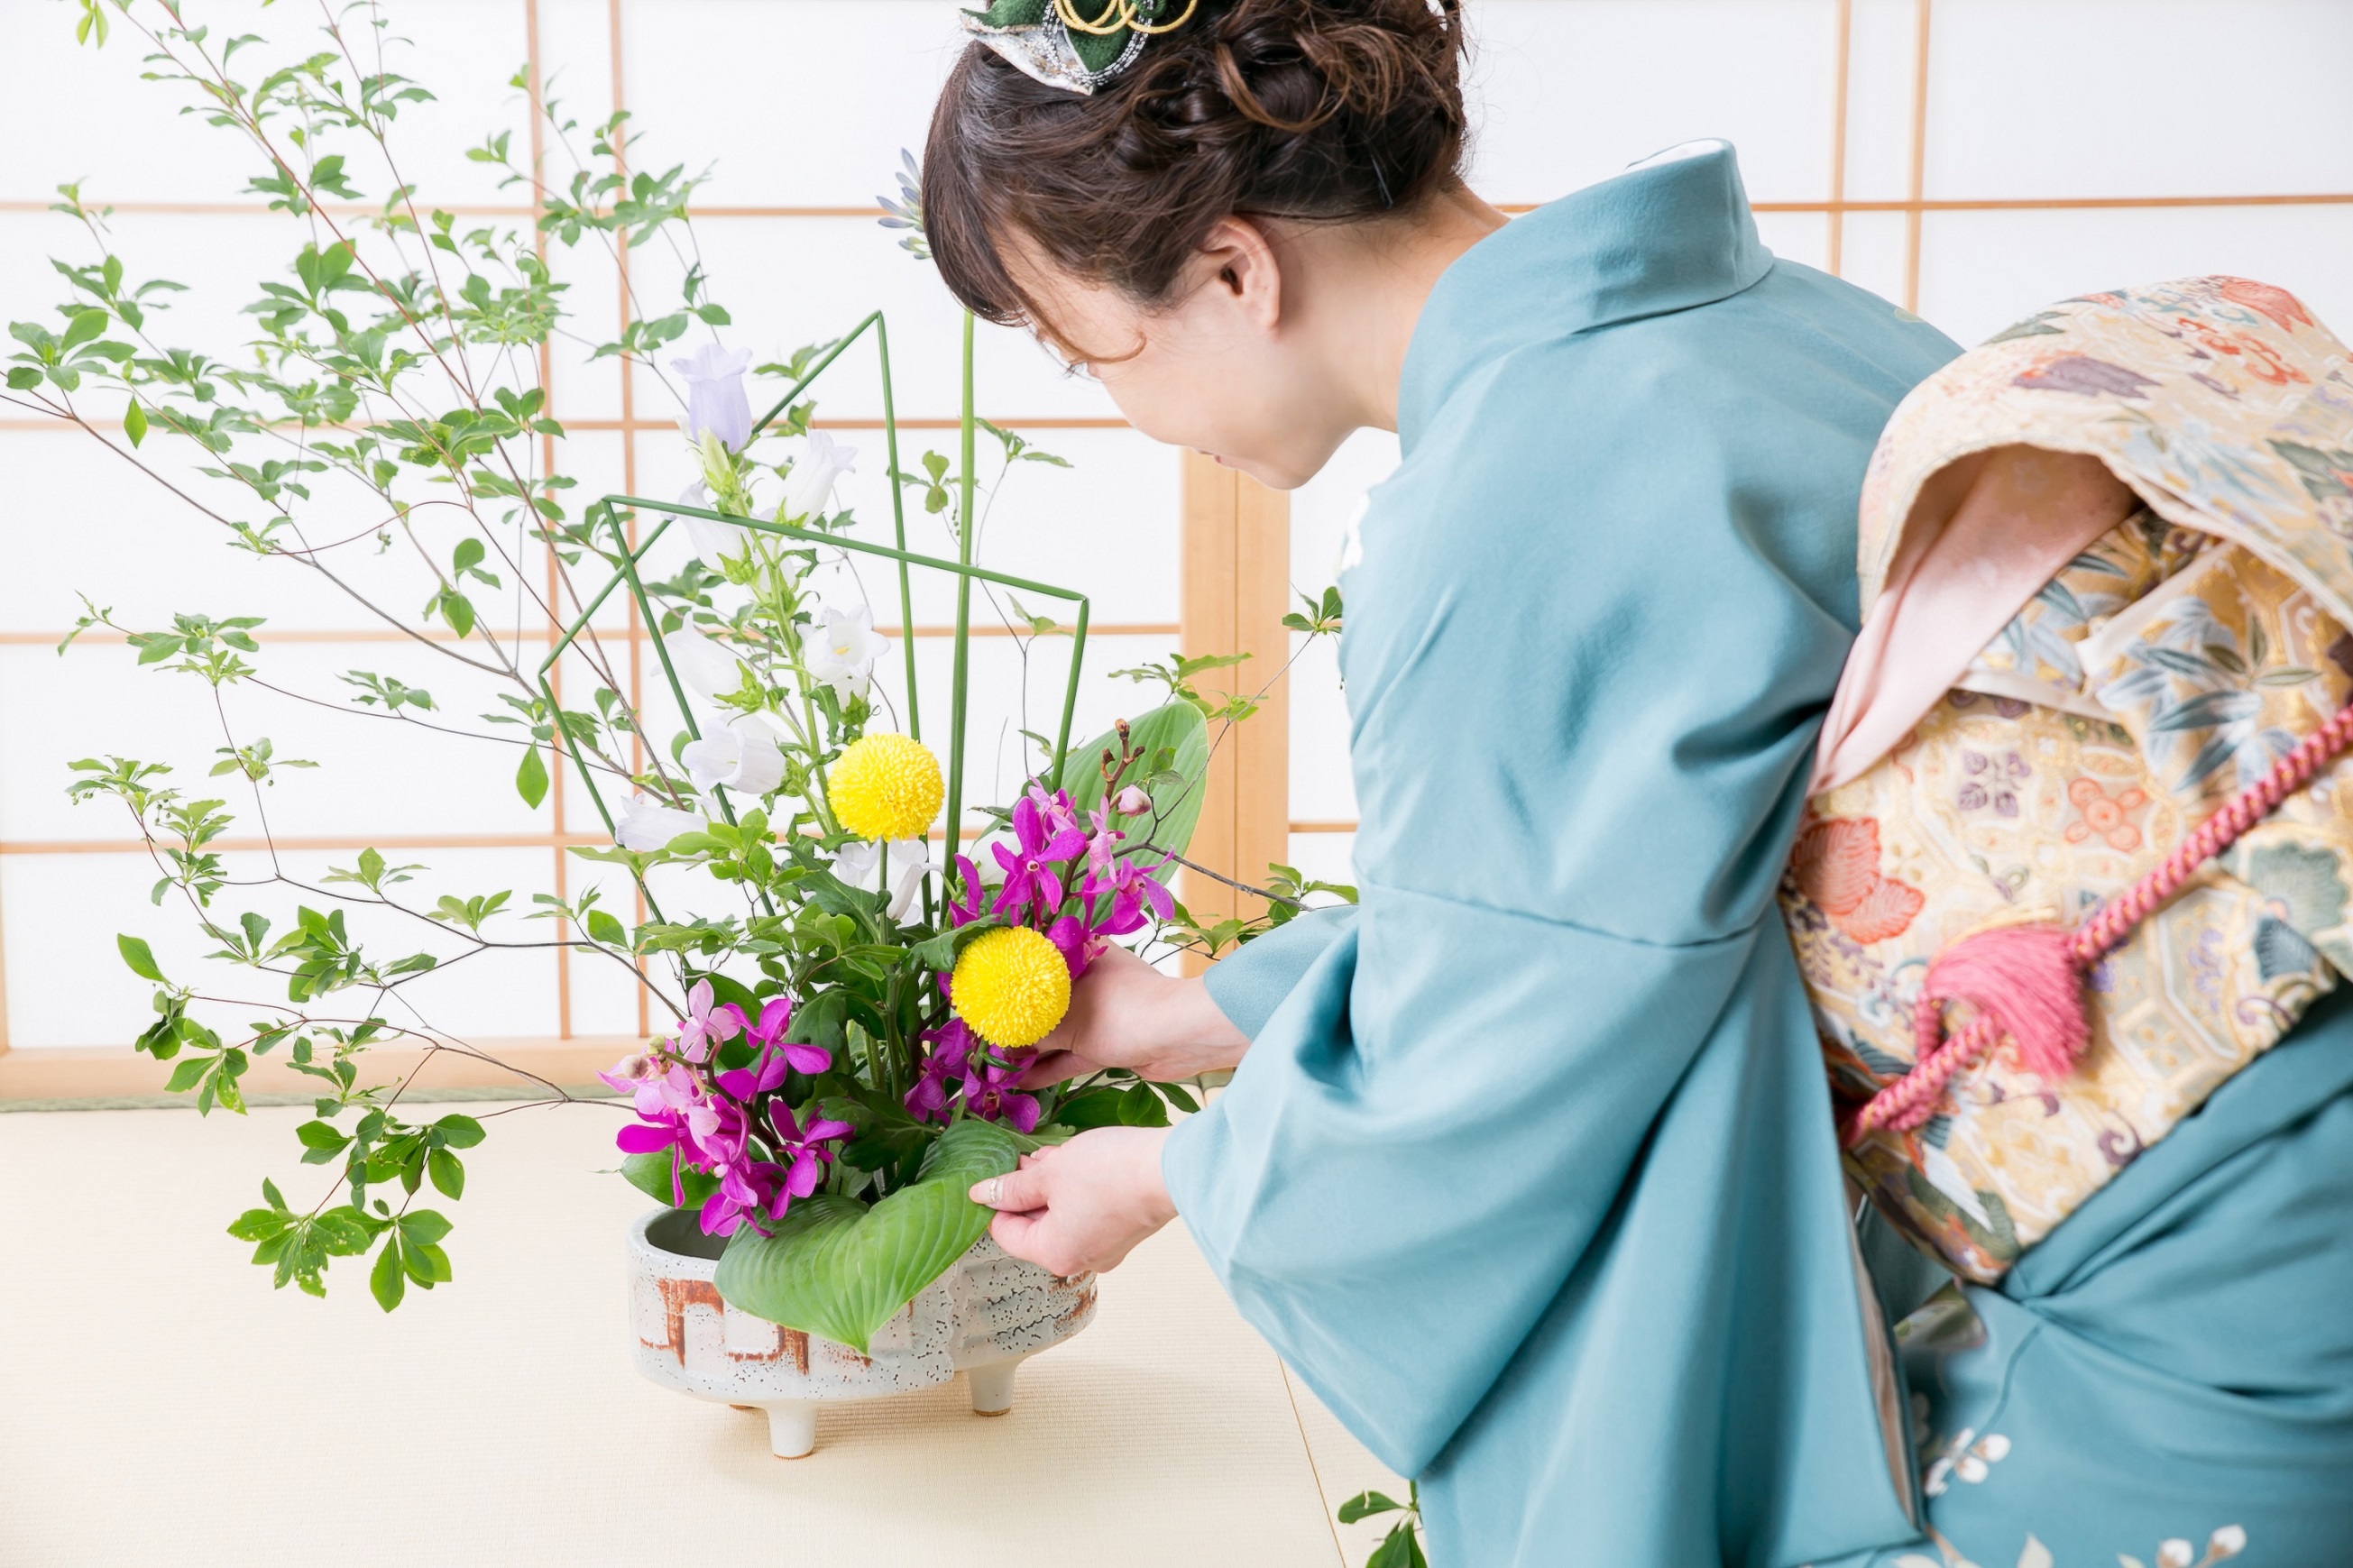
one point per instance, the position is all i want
(776, 1017)
(1100, 844)
(1029, 868)
(1132, 887)
(705, 1026)
(808, 1148)
(965, 911)
(991, 1091)
(951, 1046)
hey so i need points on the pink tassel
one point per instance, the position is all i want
(2026, 981)
(2025, 977)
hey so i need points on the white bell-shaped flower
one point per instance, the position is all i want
(840, 650)
(808, 487)
(741, 756)
(647, 825)
(703, 664)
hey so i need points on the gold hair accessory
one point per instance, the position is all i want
(1057, 43)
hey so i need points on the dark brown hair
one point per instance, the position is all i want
(1321, 111)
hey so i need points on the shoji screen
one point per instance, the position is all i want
(800, 109)
(1973, 159)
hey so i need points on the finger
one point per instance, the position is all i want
(1054, 1067)
(1015, 1192)
(1013, 1233)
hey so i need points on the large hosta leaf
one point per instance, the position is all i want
(838, 1268)
(1174, 737)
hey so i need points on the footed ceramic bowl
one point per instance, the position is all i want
(986, 1316)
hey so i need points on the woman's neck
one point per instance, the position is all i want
(1355, 291)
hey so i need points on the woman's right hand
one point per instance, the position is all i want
(1127, 1013)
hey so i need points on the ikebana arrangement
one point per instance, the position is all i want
(853, 1008)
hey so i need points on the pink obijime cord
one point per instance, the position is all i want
(2026, 981)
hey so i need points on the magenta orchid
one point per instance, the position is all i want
(992, 1090)
(949, 1046)
(808, 1148)
(1132, 887)
(1030, 875)
(965, 910)
(776, 1017)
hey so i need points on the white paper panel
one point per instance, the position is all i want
(806, 103)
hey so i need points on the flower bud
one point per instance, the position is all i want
(1131, 801)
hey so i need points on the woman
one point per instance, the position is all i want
(1527, 1165)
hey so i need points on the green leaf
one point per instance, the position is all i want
(1139, 1107)
(1094, 1107)
(840, 1269)
(135, 423)
(460, 1132)
(603, 927)
(650, 1174)
(1363, 1505)
(136, 954)
(1401, 1549)
(1176, 789)
(320, 1142)
(447, 1172)
(86, 325)
(388, 1280)
(531, 779)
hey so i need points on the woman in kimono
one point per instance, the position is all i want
(1527, 1165)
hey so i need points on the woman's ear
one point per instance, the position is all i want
(1238, 260)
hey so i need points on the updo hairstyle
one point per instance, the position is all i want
(1309, 111)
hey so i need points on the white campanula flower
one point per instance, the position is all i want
(703, 664)
(712, 539)
(808, 487)
(905, 860)
(716, 402)
(840, 650)
(648, 824)
(741, 756)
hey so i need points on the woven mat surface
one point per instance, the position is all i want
(165, 1406)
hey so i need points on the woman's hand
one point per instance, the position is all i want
(1082, 1206)
(1127, 1013)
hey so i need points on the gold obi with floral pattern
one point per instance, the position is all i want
(2165, 668)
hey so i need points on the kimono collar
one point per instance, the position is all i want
(1671, 232)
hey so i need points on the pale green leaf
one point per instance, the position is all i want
(840, 1269)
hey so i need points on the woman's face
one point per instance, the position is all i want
(1227, 366)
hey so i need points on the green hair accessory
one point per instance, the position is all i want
(1075, 45)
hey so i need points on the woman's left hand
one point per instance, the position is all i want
(1082, 1206)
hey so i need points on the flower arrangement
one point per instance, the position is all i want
(854, 1013)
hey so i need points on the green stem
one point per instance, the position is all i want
(899, 527)
(963, 613)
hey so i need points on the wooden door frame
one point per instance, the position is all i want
(1236, 587)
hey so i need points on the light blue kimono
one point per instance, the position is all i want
(1529, 1170)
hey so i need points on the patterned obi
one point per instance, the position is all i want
(2196, 633)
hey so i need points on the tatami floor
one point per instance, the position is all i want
(164, 1406)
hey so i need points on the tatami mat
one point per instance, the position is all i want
(165, 1407)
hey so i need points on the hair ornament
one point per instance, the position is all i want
(1059, 43)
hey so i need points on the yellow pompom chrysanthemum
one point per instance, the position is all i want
(886, 786)
(1012, 986)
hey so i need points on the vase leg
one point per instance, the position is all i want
(792, 1428)
(992, 1386)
